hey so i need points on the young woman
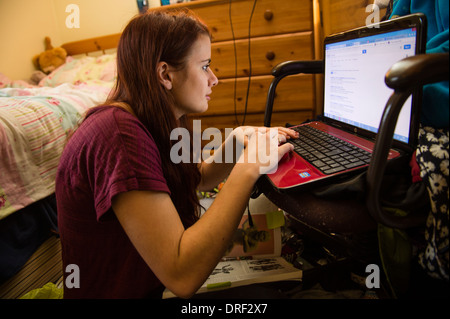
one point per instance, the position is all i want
(128, 216)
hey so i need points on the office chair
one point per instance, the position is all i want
(349, 224)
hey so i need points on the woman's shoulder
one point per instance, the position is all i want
(112, 117)
(109, 111)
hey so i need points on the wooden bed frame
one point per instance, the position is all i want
(87, 46)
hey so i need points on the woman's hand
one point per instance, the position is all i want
(262, 150)
(242, 133)
(218, 166)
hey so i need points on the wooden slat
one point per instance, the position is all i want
(287, 17)
(229, 121)
(92, 45)
(293, 93)
(341, 15)
(266, 53)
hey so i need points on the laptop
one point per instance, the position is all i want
(355, 95)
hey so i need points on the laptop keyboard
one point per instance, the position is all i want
(327, 153)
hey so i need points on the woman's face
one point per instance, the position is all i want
(192, 86)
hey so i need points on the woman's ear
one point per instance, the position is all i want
(164, 76)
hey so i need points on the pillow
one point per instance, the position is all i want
(6, 82)
(76, 71)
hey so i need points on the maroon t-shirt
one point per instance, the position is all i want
(110, 153)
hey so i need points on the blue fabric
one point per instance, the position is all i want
(23, 232)
(435, 108)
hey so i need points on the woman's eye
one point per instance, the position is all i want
(205, 67)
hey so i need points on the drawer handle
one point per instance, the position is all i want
(268, 15)
(270, 55)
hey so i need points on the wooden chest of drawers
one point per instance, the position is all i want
(280, 30)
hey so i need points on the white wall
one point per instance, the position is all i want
(24, 24)
(97, 17)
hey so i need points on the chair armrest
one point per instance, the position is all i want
(418, 70)
(404, 77)
(285, 69)
(295, 67)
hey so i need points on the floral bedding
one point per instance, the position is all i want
(35, 121)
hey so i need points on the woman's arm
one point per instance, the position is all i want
(184, 258)
(219, 166)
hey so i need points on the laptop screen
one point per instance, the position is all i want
(354, 89)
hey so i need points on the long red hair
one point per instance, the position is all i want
(147, 40)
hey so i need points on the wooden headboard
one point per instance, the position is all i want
(92, 45)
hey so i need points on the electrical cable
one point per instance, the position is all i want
(235, 62)
(249, 61)
(250, 219)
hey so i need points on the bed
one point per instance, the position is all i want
(35, 121)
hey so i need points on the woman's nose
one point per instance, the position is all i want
(213, 80)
